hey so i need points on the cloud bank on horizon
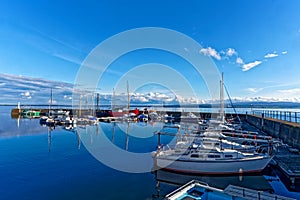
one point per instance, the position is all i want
(32, 91)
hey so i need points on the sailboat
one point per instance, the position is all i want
(200, 159)
(48, 120)
(124, 114)
(210, 161)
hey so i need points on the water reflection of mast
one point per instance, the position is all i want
(49, 138)
(97, 129)
(78, 138)
(91, 133)
(18, 121)
(157, 188)
(113, 132)
(127, 136)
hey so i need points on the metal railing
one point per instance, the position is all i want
(289, 116)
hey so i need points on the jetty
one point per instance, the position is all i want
(287, 157)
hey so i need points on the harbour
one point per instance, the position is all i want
(117, 132)
(128, 100)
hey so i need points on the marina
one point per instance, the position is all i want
(127, 100)
(121, 132)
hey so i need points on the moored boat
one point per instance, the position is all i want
(195, 190)
(50, 121)
(210, 161)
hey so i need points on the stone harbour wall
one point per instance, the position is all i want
(288, 132)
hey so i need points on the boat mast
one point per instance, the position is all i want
(114, 99)
(50, 103)
(232, 103)
(128, 98)
(92, 105)
(98, 99)
(79, 113)
(222, 98)
(86, 105)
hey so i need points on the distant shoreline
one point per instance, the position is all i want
(252, 105)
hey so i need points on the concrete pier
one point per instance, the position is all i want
(287, 157)
(288, 132)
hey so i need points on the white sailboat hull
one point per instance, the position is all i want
(234, 166)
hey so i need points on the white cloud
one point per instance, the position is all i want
(271, 55)
(293, 91)
(53, 101)
(284, 52)
(249, 66)
(254, 90)
(27, 94)
(68, 58)
(231, 52)
(239, 61)
(210, 52)
(35, 89)
(141, 99)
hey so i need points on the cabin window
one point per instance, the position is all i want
(228, 156)
(195, 156)
(213, 156)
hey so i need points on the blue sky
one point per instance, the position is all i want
(255, 43)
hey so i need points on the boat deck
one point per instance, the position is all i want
(195, 190)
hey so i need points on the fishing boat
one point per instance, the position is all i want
(30, 114)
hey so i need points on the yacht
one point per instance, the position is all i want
(199, 160)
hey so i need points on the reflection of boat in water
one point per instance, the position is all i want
(197, 190)
(247, 181)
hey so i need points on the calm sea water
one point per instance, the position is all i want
(39, 163)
